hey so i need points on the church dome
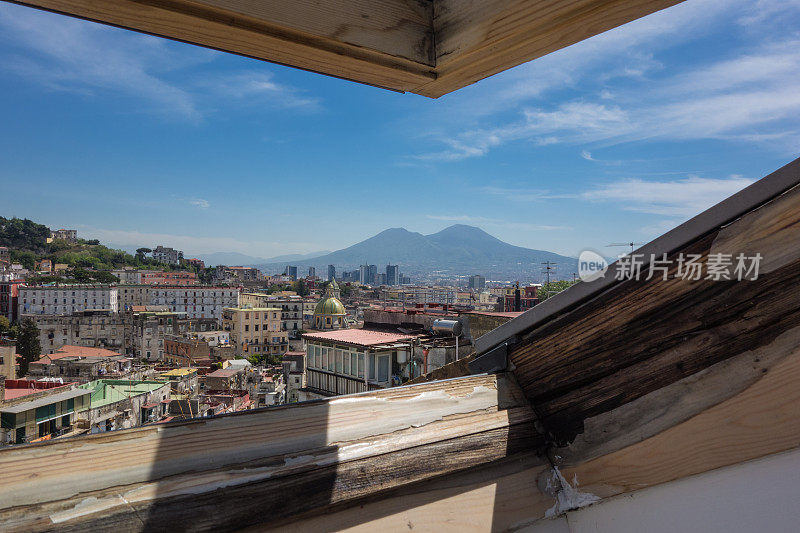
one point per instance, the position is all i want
(330, 305)
(330, 312)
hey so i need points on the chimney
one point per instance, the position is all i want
(517, 301)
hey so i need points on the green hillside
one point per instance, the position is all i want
(27, 242)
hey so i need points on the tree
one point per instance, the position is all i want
(554, 287)
(5, 325)
(28, 347)
(141, 252)
(300, 287)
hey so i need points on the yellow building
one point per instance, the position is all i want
(255, 330)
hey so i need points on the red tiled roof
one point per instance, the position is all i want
(69, 350)
(16, 388)
(359, 337)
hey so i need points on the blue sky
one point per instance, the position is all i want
(142, 141)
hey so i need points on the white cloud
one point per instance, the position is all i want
(196, 245)
(66, 54)
(260, 88)
(199, 202)
(587, 155)
(745, 96)
(680, 198)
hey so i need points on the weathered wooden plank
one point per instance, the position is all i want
(476, 39)
(248, 31)
(501, 496)
(763, 419)
(640, 336)
(339, 449)
(427, 47)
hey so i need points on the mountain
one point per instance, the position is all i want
(455, 251)
(227, 258)
(295, 257)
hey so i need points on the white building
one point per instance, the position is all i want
(196, 302)
(66, 299)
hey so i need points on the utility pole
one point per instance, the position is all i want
(548, 267)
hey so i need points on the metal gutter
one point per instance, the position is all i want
(719, 215)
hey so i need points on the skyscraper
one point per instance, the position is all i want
(331, 272)
(477, 282)
(392, 275)
(291, 271)
(368, 274)
(312, 272)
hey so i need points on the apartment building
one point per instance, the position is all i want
(69, 235)
(291, 308)
(130, 295)
(9, 298)
(66, 299)
(170, 256)
(90, 328)
(157, 277)
(197, 302)
(228, 274)
(255, 330)
(421, 295)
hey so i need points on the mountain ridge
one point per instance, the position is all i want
(457, 250)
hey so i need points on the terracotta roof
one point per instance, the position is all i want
(68, 350)
(359, 337)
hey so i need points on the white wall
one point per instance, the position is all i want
(760, 496)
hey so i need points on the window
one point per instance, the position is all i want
(256, 327)
(353, 363)
(361, 365)
(383, 368)
(324, 358)
(338, 361)
(247, 327)
(372, 366)
(346, 364)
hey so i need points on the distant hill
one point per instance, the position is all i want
(27, 243)
(457, 250)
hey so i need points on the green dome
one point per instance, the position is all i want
(329, 306)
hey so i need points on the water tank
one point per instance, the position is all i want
(447, 327)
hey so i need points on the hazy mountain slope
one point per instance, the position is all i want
(457, 250)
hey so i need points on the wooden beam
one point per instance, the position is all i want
(324, 453)
(476, 39)
(640, 336)
(429, 47)
(762, 419)
(301, 34)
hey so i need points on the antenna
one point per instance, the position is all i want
(631, 244)
(549, 265)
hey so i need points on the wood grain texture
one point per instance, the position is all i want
(429, 47)
(205, 25)
(763, 419)
(640, 336)
(476, 39)
(323, 453)
(501, 496)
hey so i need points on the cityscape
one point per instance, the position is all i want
(191, 339)
(442, 265)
